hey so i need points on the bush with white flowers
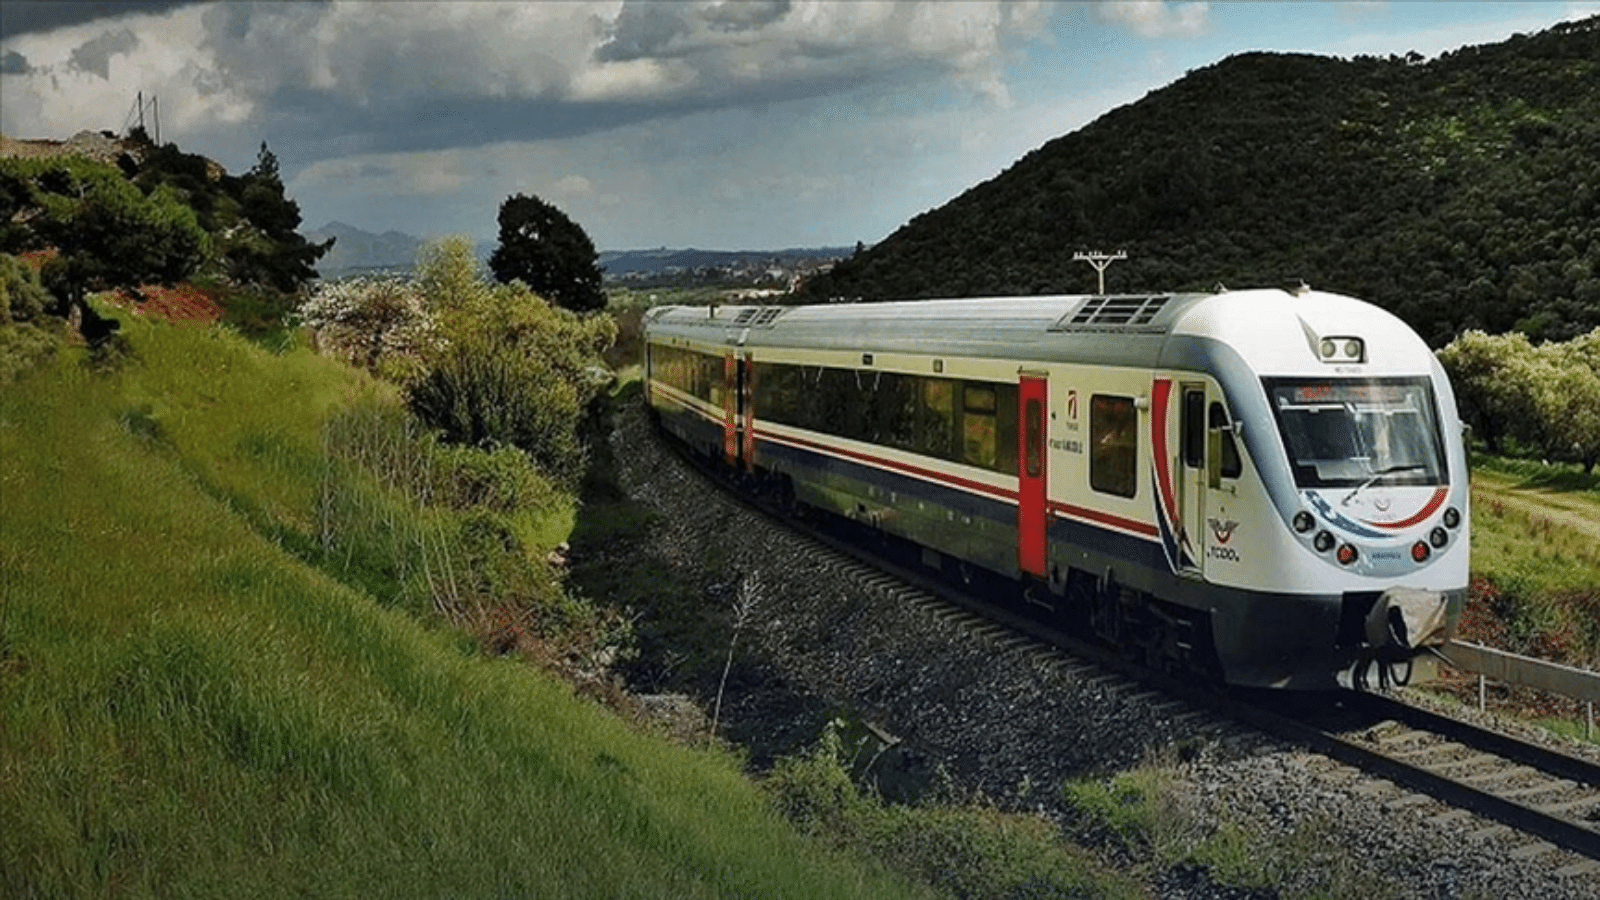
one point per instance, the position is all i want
(383, 325)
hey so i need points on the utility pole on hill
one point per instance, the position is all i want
(1100, 261)
(137, 112)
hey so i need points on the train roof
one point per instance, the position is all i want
(1114, 329)
(984, 321)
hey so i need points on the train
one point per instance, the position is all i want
(1267, 488)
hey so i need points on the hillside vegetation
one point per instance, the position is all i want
(1460, 192)
(213, 687)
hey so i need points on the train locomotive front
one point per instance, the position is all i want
(1264, 486)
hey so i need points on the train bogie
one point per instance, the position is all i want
(1263, 485)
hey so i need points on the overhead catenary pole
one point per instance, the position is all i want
(1100, 261)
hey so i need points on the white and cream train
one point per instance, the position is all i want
(1266, 486)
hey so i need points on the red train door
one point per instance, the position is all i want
(1032, 517)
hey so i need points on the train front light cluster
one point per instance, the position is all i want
(1342, 350)
(1323, 541)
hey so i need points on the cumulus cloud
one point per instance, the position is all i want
(86, 76)
(1156, 18)
(337, 77)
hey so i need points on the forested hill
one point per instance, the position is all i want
(1461, 192)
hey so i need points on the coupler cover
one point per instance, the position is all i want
(1404, 619)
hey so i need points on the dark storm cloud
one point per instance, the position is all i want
(322, 132)
(31, 16)
(14, 63)
(95, 55)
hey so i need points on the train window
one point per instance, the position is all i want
(968, 422)
(1114, 445)
(1033, 427)
(978, 444)
(686, 370)
(838, 408)
(776, 389)
(718, 372)
(1005, 417)
(1232, 466)
(936, 421)
(1194, 428)
(895, 410)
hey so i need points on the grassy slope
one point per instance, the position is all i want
(1536, 542)
(187, 709)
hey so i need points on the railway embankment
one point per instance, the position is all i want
(197, 700)
(792, 638)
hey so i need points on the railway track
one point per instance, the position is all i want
(1536, 800)
(1526, 788)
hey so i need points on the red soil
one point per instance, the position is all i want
(182, 303)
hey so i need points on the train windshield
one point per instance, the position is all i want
(1350, 432)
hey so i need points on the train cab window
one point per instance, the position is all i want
(1232, 466)
(1114, 445)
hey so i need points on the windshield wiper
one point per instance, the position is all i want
(1392, 470)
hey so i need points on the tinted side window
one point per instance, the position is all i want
(1114, 445)
(1232, 466)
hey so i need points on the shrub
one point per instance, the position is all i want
(22, 297)
(382, 325)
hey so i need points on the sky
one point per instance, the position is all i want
(717, 124)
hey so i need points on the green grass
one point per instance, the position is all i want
(1534, 540)
(191, 707)
(967, 850)
(1146, 814)
(1535, 473)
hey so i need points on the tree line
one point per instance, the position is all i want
(1523, 398)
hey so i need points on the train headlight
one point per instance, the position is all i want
(1323, 542)
(1438, 537)
(1337, 349)
(1346, 555)
(1420, 552)
(1303, 522)
(1452, 517)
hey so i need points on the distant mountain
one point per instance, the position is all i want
(362, 252)
(1459, 192)
(356, 251)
